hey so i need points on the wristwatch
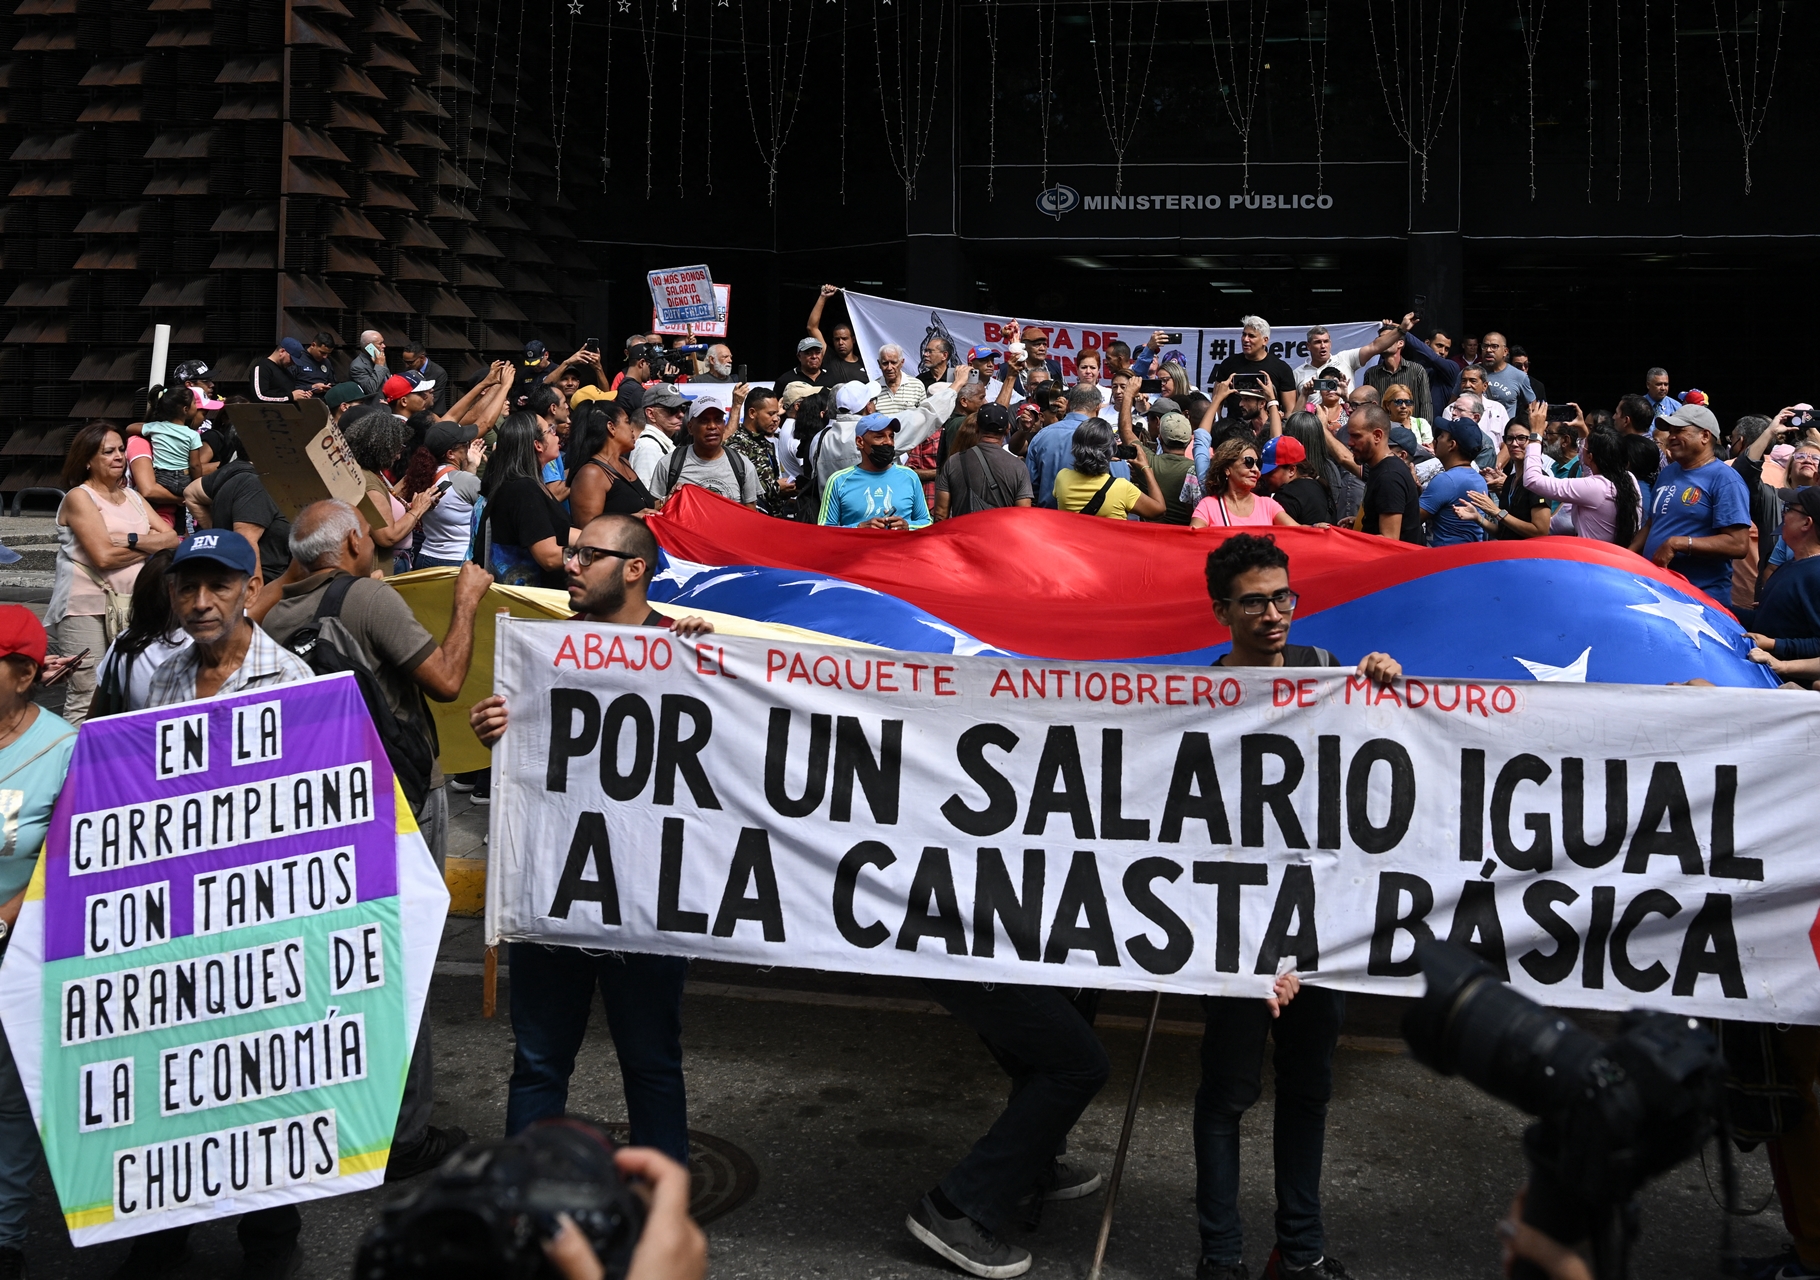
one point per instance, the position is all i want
(5, 929)
(132, 541)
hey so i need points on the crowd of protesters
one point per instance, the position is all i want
(179, 576)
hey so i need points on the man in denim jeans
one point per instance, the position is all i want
(609, 570)
(1248, 583)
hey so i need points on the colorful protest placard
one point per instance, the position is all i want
(682, 295)
(216, 980)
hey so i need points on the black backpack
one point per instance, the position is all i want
(330, 648)
(679, 457)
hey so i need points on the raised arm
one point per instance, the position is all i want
(815, 313)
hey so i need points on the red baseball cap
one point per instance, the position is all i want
(396, 387)
(21, 633)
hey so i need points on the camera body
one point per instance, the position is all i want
(1610, 1115)
(1326, 384)
(487, 1211)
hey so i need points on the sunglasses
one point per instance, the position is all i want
(1405, 402)
(1250, 464)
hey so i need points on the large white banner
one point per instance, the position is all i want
(877, 321)
(1154, 828)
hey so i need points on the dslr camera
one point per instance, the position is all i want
(486, 1213)
(1609, 1115)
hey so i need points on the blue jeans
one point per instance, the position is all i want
(18, 1148)
(1057, 1066)
(425, 562)
(552, 992)
(1232, 1063)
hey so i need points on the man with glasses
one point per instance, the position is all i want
(1493, 418)
(1699, 513)
(1248, 583)
(609, 568)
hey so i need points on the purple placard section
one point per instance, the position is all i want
(324, 724)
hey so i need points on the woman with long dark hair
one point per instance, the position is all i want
(123, 680)
(601, 478)
(1605, 500)
(523, 529)
(377, 440)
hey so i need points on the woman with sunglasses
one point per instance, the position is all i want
(1232, 490)
(1517, 511)
(1400, 403)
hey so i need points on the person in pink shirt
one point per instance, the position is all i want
(1232, 498)
(1605, 499)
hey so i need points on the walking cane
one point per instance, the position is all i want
(489, 984)
(1118, 1161)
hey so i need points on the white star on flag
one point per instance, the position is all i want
(1573, 673)
(965, 646)
(818, 585)
(680, 571)
(1685, 614)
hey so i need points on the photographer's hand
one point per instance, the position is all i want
(1523, 1241)
(571, 1254)
(671, 1247)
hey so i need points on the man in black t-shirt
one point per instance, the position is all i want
(1253, 356)
(1248, 583)
(235, 498)
(809, 355)
(1392, 505)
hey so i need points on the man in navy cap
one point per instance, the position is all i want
(1457, 445)
(310, 375)
(211, 582)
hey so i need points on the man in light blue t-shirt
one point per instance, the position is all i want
(1699, 513)
(1457, 444)
(877, 493)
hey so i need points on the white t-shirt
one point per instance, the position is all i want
(1347, 362)
(716, 475)
(448, 526)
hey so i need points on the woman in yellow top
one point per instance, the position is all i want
(1089, 486)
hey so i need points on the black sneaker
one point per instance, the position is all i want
(1327, 1268)
(1211, 1270)
(158, 1253)
(966, 1244)
(1066, 1181)
(426, 1153)
(12, 1264)
(276, 1266)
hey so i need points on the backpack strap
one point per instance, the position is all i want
(334, 595)
(1098, 499)
(673, 468)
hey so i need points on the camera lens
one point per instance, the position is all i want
(1469, 1023)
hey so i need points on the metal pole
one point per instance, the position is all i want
(161, 353)
(1118, 1161)
(284, 173)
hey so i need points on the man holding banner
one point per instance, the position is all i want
(609, 569)
(1248, 583)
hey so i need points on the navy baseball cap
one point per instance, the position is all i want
(1465, 433)
(535, 352)
(1405, 439)
(217, 546)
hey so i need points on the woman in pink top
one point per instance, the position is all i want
(104, 533)
(1607, 504)
(1232, 499)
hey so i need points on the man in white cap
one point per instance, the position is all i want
(809, 353)
(706, 461)
(1699, 511)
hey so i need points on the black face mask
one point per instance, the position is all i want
(881, 455)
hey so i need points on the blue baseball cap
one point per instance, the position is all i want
(217, 546)
(1465, 433)
(981, 353)
(417, 380)
(294, 349)
(871, 422)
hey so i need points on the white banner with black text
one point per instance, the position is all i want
(1194, 830)
(877, 321)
